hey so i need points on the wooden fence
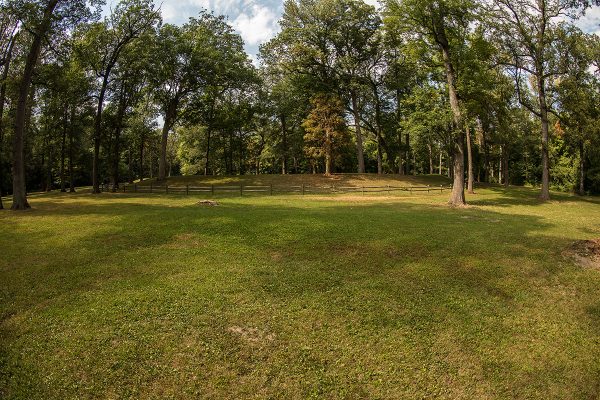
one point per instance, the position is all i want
(242, 190)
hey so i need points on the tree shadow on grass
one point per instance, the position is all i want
(521, 196)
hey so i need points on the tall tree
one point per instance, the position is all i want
(103, 44)
(530, 34)
(444, 25)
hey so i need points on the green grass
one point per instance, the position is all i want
(310, 179)
(336, 297)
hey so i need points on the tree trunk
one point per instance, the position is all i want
(284, 168)
(19, 190)
(118, 130)
(63, 144)
(6, 69)
(207, 160)
(49, 163)
(457, 198)
(170, 115)
(440, 169)
(97, 135)
(359, 142)
(129, 165)
(142, 158)
(470, 177)
(398, 117)
(581, 168)
(505, 167)
(379, 154)
(430, 148)
(71, 150)
(545, 192)
(407, 153)
(116, 159)
(241, 155)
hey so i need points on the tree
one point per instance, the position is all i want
(444, 25)
(529, 31)
(325, 128)
(8, 37)
(101, 48)
(578, 96)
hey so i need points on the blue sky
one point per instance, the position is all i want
(256, 20)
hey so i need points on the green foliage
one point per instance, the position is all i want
(325, 128)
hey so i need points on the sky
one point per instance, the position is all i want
(257, 20)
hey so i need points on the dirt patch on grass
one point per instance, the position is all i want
(251, 335)
(207, 203)
(585, 252)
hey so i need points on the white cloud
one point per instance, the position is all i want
(256, 26)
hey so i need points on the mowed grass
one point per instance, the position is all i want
(291, 297)
(356, 180)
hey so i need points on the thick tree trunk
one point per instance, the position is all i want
(18, 170)
(170, 115)
(581, 168)
(6, 69)
(470, 177)
(457, 198)
(358, 133)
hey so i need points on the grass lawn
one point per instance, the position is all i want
(291, 297)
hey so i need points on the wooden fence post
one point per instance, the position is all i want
(135, 187)
(212, 189)
(187, 189)
(441, 188)
(303, 189)
(241, 190)
(167, 189)
(150, 188)
(428, 188)
(271, 189)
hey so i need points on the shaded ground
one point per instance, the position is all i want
(122, 296)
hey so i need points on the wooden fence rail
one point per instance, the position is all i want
(271, 189)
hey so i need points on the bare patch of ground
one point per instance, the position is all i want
(252, 335)
(585, 252)
(208, 203)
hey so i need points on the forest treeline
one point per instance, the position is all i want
(501, 91)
